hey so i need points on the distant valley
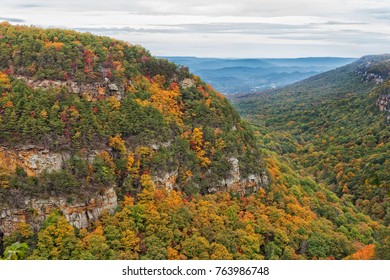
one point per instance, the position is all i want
(232, 76)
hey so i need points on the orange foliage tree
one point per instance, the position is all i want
(365, 253)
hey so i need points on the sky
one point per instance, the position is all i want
(221, 28)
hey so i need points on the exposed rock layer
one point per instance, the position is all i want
(383, 102)
(79, 215)
(90, 91)
(32, 159)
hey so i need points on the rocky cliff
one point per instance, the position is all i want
(376, 69)
(90, 91)
(35, 210)
(233, 182)
(33, 159)
(383, 102)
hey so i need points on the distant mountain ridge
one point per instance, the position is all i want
(233, 76)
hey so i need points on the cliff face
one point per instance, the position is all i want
(79, 215)
(236, 183)
(376, 69)
(233, 182)
(383, 102)
(33, 210)
(32, 159)
(90, 91)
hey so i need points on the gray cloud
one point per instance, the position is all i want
(16, 20)
(207, 28)
(28, 5)
(242, 8)
(346, 37)
(344, 23)
(247, 8)
(286, 31)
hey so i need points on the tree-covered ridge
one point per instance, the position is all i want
(165, 120)
(62, 55)
(330, 127)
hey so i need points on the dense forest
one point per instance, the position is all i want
(121, 118)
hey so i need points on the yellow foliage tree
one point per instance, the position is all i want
(130, 162)
(197, 144)
(130, 245)
(104, 155)
(167, 100)
(118, 144)
(57, 45)
(5, 82)
(219, 252)
(57, 240)
(114, 103)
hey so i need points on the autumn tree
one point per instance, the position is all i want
(56, 240)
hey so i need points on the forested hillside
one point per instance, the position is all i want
(109, 153)
(82, 94)
(334, 127)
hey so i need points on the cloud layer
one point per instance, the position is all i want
(222, 28)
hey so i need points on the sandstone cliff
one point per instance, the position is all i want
(35, 210)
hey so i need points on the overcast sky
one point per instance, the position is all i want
(221, 28)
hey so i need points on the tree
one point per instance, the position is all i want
(57, 239)
(219, 252)
(197, 144)
(16, 251)
(319, 246)
(365, 253)
(382, 251)
(130, 246)
(196, 248)
(93, 246)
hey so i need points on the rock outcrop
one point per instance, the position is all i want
(32, 159)
(167, 180)
(374, 68)
(79, 215)
(383, 102)
(89, 91)
(236, 183)
(187, 82)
